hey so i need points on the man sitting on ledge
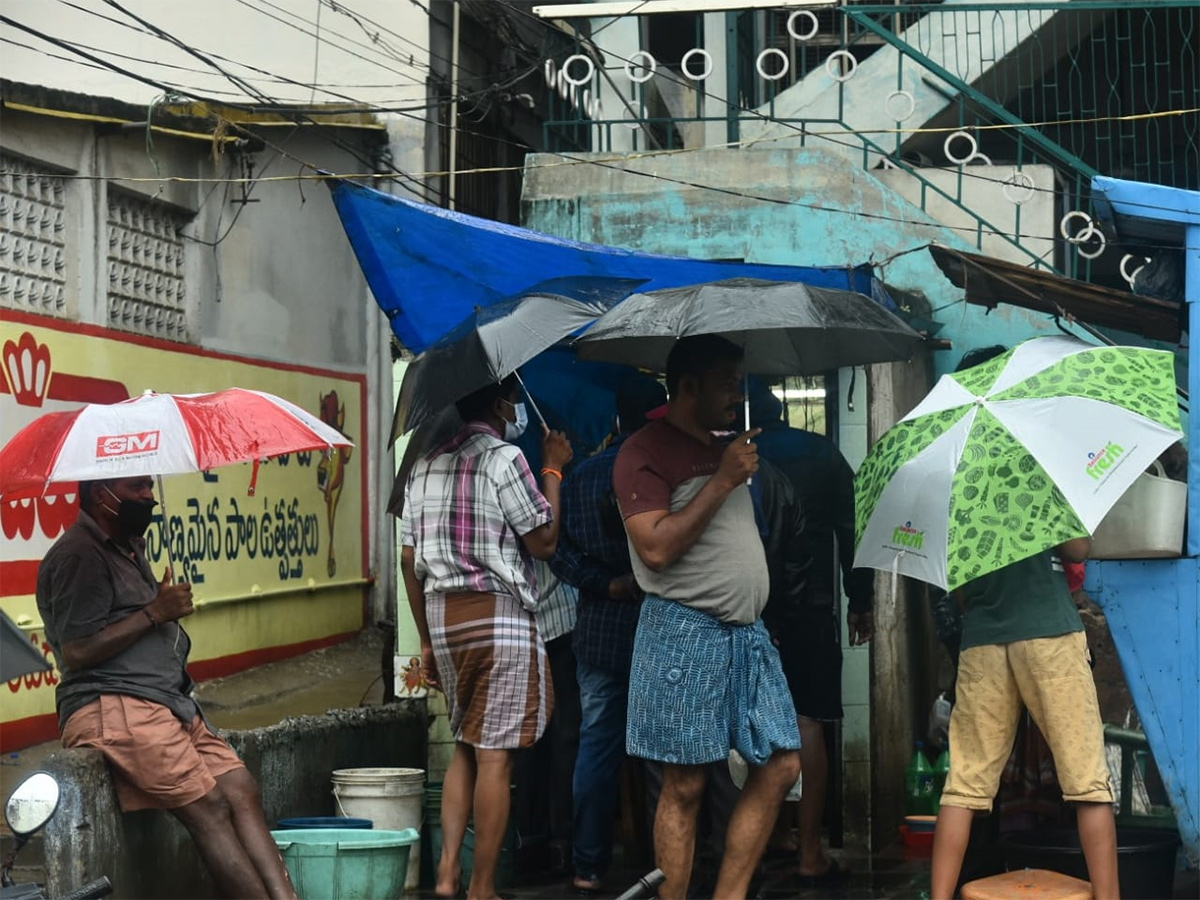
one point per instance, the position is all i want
(125, 690)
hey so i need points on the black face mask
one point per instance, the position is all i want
(133, 517)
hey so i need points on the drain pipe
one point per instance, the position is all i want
(452, 186)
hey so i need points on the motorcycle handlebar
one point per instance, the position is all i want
(93, 890)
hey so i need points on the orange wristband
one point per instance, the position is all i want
(546, 470)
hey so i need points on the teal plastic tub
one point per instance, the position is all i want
(345, 863)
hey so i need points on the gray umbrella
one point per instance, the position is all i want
(485, 349)
(17, 655)
(785, 327)
(496, 340)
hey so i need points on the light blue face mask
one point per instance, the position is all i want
(513, 430)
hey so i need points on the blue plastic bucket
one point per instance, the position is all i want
(323, 822)
(346, 863)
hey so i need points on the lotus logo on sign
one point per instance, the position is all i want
(1099, 462)
(907, 536)
(108, 446)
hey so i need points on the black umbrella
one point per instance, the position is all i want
(17, 655)
(495, 340)
(435, 430)
(785, 327)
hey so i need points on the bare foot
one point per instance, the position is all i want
(449, 884)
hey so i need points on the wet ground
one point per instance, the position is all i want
(348, 675)
(889, 875)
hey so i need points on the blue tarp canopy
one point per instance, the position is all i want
(429, 267)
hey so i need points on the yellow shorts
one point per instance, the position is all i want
(1051, 676)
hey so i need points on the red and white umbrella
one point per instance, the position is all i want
(158, 434)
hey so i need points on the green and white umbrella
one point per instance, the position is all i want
(1012, 457)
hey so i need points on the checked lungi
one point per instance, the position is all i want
(493, 668)
(699, 687)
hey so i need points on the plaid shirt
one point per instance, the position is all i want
(593, 550)
(557, 610)
(465, 507)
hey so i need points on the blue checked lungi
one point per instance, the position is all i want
(699, 686)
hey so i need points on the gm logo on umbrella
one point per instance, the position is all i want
(108, 446)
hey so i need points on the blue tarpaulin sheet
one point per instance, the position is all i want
(429, 267)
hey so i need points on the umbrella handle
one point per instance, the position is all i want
(532, 402)
(746, 411)
(166, 525)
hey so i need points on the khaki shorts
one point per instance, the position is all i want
(1051, 676)
(157, 761)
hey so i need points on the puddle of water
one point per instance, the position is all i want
(333, 693)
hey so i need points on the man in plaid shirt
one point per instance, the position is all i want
(593, 555)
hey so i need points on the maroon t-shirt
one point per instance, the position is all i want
(725, 572)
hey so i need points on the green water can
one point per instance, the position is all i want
(346, 864)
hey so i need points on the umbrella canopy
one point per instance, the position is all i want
(487, 347)
(785, 328)
(158, 434)
(17, 655)
(1012, 457)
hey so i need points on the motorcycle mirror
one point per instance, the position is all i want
(32, 804)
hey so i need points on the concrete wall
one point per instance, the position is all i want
(281, 282)
(284, 285)
(968, 45)
(149, 854)
(803, 207)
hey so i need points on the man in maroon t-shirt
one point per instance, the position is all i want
(708, 677)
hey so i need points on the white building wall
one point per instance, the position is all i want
(283, 284)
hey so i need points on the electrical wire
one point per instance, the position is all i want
(385, 61)
(135, 29)
(572, 160)
(333, 138)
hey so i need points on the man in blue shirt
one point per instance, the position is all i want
(802, 611)
(593, 555)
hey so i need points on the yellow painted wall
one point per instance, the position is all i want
(268, 571)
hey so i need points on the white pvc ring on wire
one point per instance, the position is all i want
(550, 70)
(564, 89)
(1064, 224)
(585, 102)
(1092, 232)
(1018, 188)
(566, 70)
(1130, 276)
(888, 105)
(650, 65)
(812, 18)
(980, 157)
(762, 70)
(960, 160)
(630, 117)
(841, 54)
(595, 108)
(708, 64)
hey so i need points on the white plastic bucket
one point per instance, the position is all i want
(1146, 523)
(391, 798)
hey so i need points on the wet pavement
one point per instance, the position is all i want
(888, 875)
